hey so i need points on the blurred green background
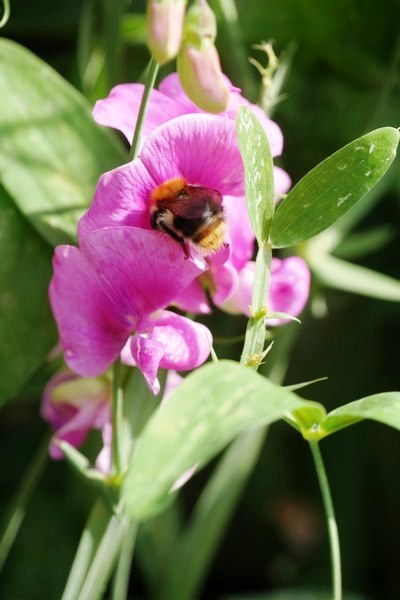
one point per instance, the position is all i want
(344, 80)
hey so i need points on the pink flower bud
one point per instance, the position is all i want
(165, 21)
(198, 62)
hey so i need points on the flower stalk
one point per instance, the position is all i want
(253, 349)
(331, 521)
(151, 75)
(117, 415)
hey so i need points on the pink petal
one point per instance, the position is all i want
(99, 292)
(103, 460)
(186, 343)
(147, 353)
(240, 231)
(121, 108)
(75, 430)
(193, 299)
(122, 198)
(282, 183)
(200, 148)
(225, 280)
(174, 380)
(289, 288)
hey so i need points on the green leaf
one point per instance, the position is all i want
(295, 594)
(335, 185)
(52, 152)
(384, 407)
(210, 408)
(259, 177)
(27, 329)
(342, 275)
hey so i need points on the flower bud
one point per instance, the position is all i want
(198, 62)
(165, 25)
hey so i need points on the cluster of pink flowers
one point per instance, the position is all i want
(110, 295)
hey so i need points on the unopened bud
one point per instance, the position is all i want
(165, 26)
(198, 62)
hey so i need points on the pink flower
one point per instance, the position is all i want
(120, 109)
(73, 406)
(109, 292)
(288, 293)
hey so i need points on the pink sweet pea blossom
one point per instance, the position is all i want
(121, 108)
(73, 406)
(108, 294)
(288, 292)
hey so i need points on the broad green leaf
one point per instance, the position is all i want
(384, 407)
(52, 152)
(342, 275)
(365, 242)
(258, 167)
(210, 408)
(27, 329)
(330, 189)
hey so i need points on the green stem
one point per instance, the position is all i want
(122, 573)
(117, 408)
(331, 521)
(6, 13)
(151, 75)
(18, 509)
(252, 354)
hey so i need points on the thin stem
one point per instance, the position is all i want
(18, 509)
(6, 13)
(122, 573)
(151, 75)
(331, 521)
(252, 354)
(117, 408)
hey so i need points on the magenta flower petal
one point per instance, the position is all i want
(73, 406)
(193, 299)
(225, 280)
(288, 293)
(174, 380)
(121, 108)
(100, 291)
(289, 288)
(240, 231)
(147, 353)
(103, 460)
(186, 343)
(200, 148)
(122, 198)
(282, 183)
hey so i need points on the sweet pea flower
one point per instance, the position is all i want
(73, 406)
(108, 296)
(121, 108)
(288, 292)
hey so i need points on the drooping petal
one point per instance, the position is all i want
(122, 198)
(99, 292)
(200, 148)
(121, 108)
(147, 353)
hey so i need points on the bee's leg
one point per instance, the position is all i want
(163, 227)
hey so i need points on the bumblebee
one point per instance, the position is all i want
(189, 213)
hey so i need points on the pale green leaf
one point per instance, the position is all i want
(342, 275)
(335, 185)
(384, 407)
(258, 166)
(210, 408)
(52, 151)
